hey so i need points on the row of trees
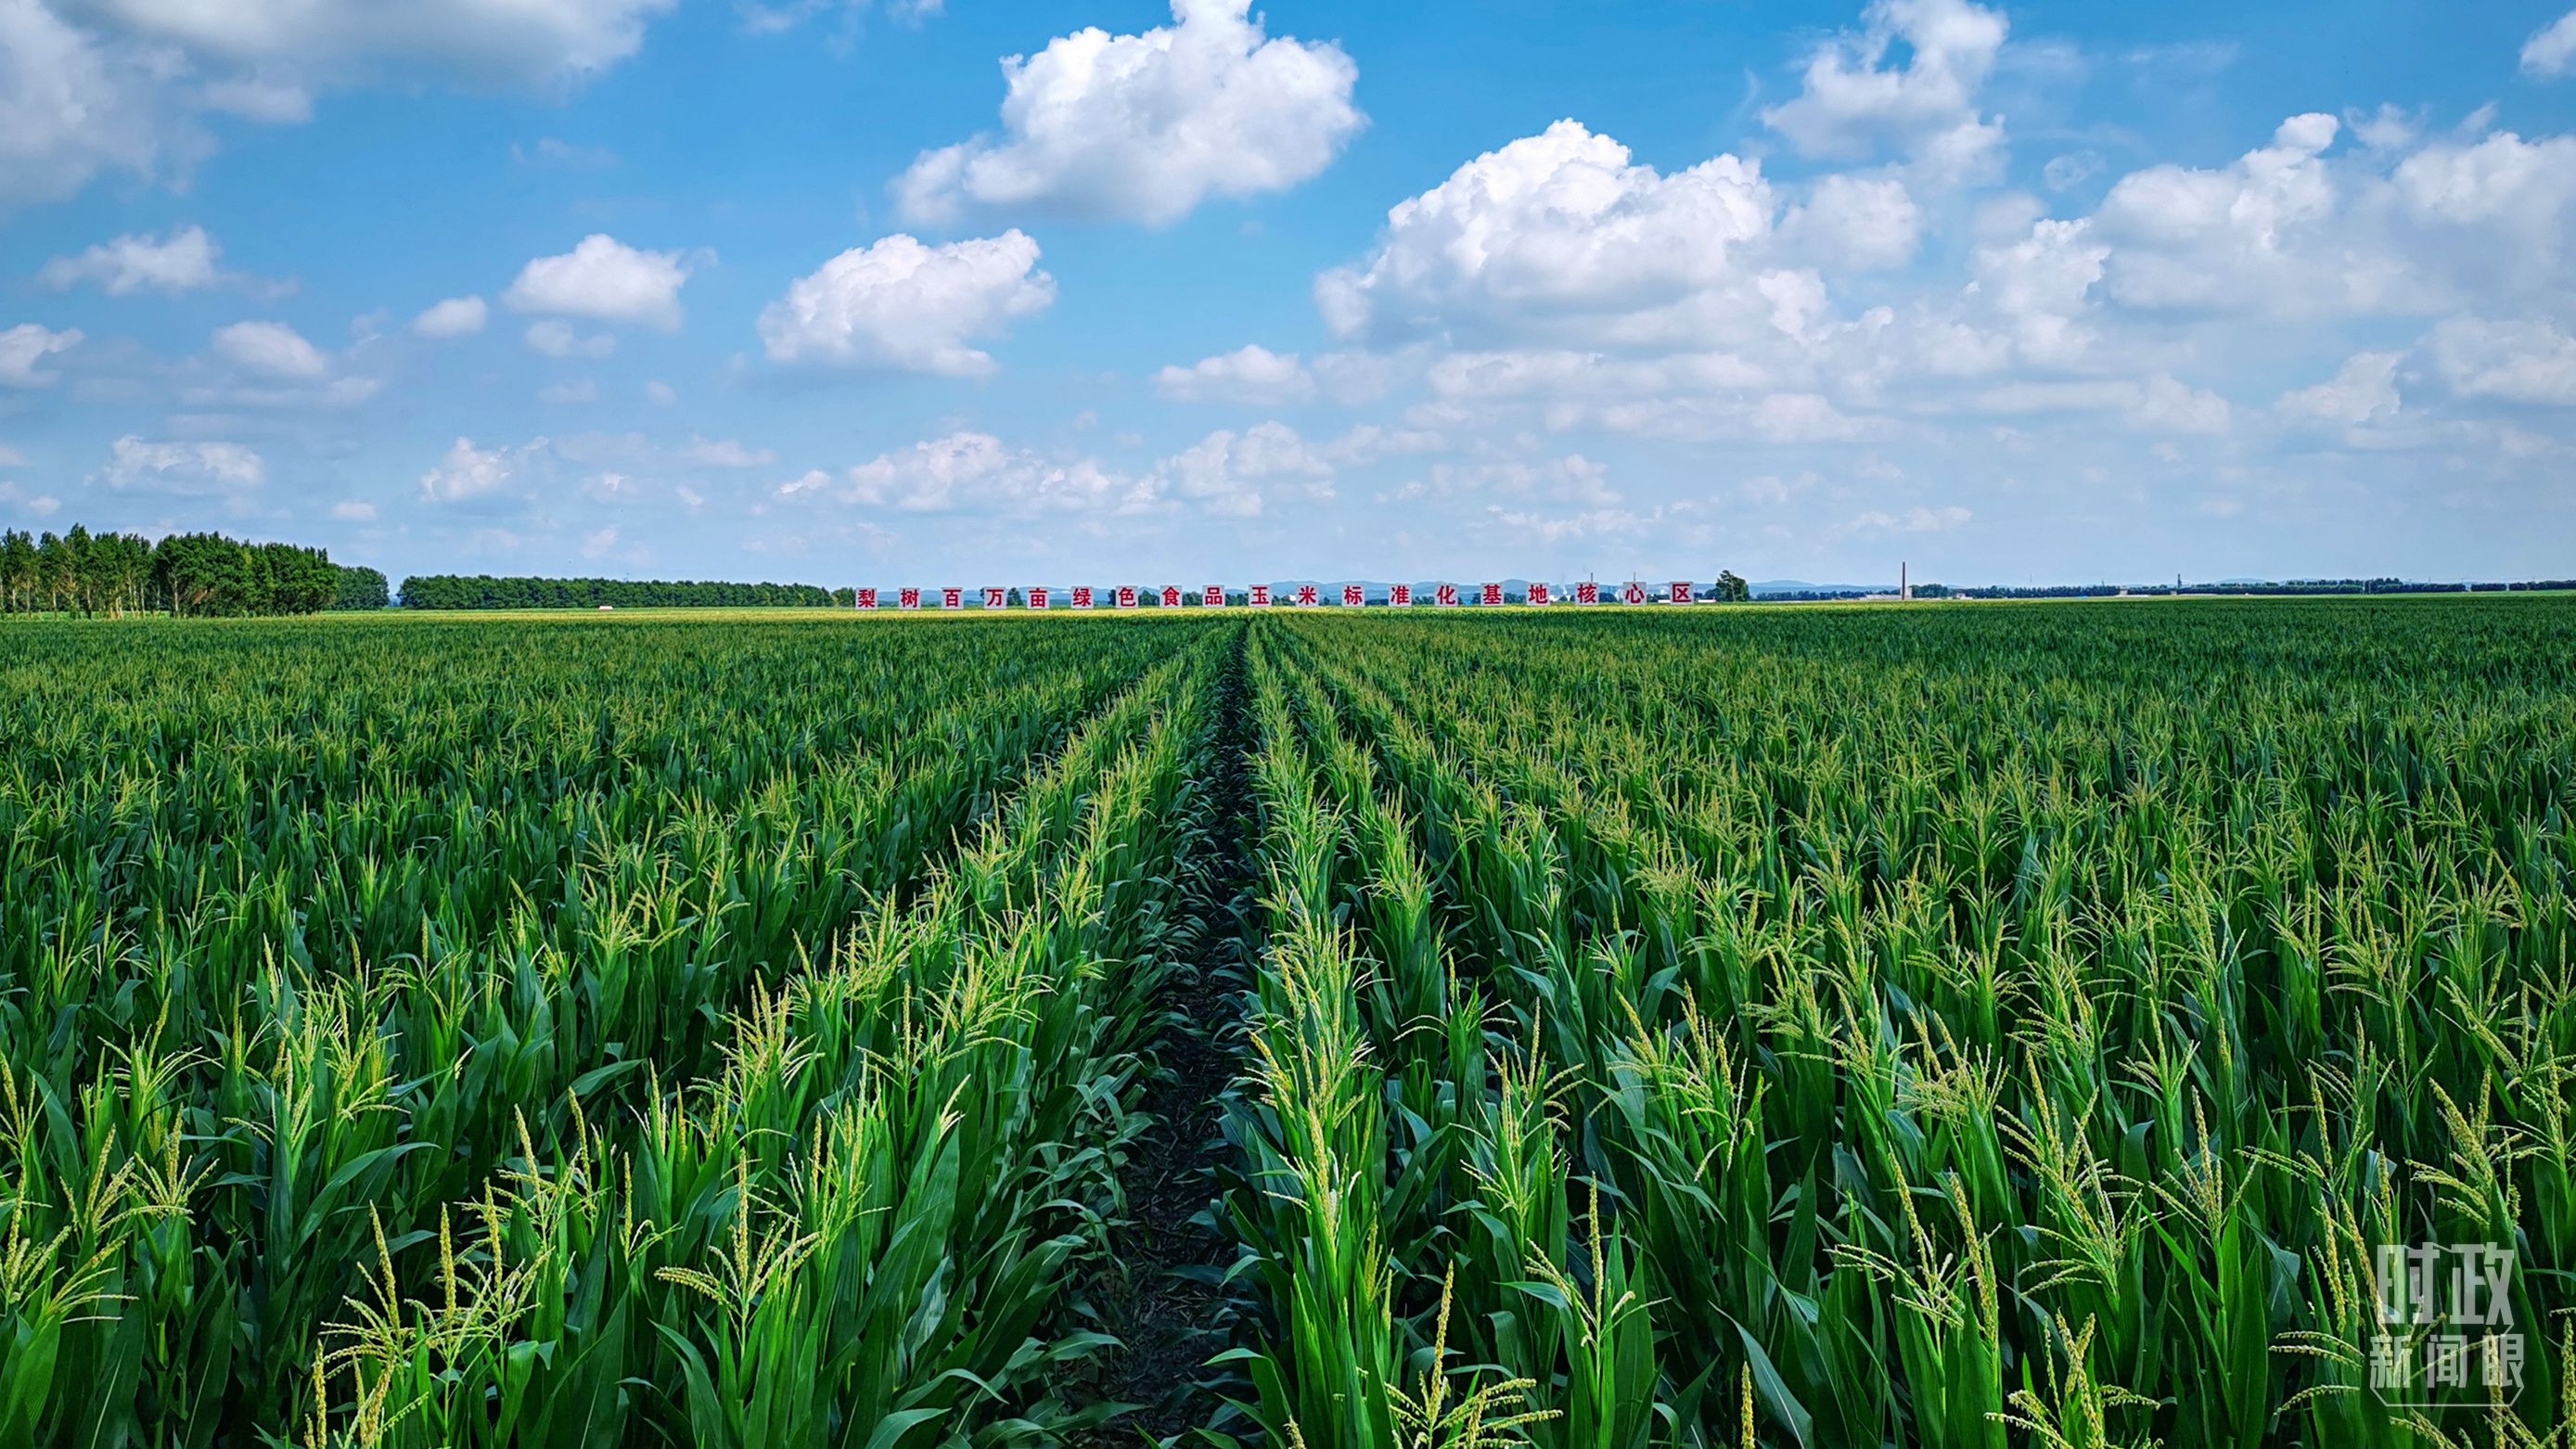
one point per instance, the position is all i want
(484, 591)
(81, 572)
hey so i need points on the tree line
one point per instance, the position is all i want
(200, 574)
(485, 591)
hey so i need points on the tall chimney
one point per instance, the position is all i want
(1904, 583)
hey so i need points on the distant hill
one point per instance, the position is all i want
(1800, 586)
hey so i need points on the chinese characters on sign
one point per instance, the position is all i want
(1305, 596)
(2447, 1334)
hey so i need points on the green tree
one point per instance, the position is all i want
(17, 570)
(360, 588)
(203, 574)
(1732, 589)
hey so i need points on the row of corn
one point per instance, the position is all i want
(1959, 1028)
(574, 1035)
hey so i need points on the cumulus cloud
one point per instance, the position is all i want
(1559, 237)
(901, 305)
(187, 469)
(469, 472)
(2519, 361)
(183, 261)
(24, 348)
(1145, 127)
(106, 85)
(2242, 236)
(2038, 290)
(271, 350)
(977, 472)
(524, 42)
(553, 337)
(73, 103)
(2552, 52)
(455, 317)
(1252, 375)
(604, 280)
(1854, 104)
(2363, 390)
(1857, 224)
(1226, 471)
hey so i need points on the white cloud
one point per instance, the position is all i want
(351, 510)
(605, 280)
(2239, 238)
(1252, 375)
(555, 338)
(565, 394)
(1913, 520)
(521, 41)
(2168, 405)
(1857, 224)
(2039, 290)
(1804, 417)
(38, 505)
(1558, 237)
(2160, 403)
(901, 305)
(468, 472)
(2520, 361)
(977, 472)
(455, 317)
(597, 545)
(2363, 390)
(727, 453)
(1852, 103)
(2066, 172)
(270, 349)
(121, 85)
(73, 104)
(660, 394)
(134, 465)
(184, 261)
(1225, 471)
(1145, 127)
(24, 347)
(2552, 52)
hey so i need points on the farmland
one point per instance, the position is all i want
(1955, 1026)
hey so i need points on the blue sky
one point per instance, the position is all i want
(838, 292)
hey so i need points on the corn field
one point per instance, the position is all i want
(1948, 1026)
